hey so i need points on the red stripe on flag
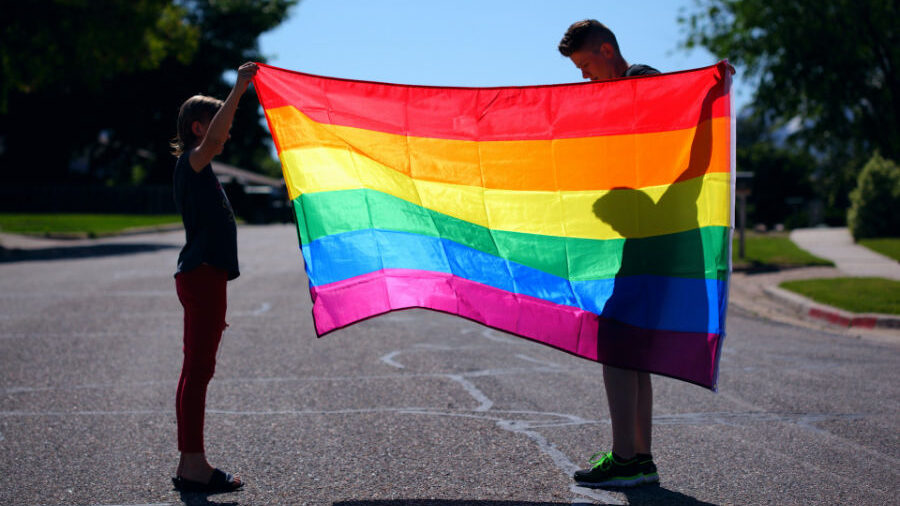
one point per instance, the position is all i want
(624, 106)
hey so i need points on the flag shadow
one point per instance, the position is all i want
(647, 273)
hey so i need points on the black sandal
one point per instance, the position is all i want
(219, 482)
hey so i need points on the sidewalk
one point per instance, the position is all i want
(758, 293)
(837, 245)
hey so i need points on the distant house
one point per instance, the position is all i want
(254, 197)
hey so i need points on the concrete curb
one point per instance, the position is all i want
(811, 309)
(27, 241)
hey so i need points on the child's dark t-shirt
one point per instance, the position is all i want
(209, 227)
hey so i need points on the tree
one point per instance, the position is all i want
(831, 65)
(824, 71)
(229, 31)
(101, 83)
(58, 57)
(48, 46)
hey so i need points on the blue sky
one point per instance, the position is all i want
(471, 42)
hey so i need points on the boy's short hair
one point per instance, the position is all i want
(588, 32)
(197, 108)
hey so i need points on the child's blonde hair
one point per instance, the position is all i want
(197, 108)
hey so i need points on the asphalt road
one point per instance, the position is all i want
(414, 407)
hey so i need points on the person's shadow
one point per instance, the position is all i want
(661, 280)
(657, 495)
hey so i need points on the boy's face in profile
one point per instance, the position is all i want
(595, 63)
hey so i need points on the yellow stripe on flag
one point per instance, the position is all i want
(698, 202)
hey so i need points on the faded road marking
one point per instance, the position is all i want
(389, 359)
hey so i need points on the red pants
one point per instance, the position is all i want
(202, 293)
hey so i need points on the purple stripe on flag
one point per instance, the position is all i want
(690, 356)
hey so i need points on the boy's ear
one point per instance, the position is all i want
(607, 50)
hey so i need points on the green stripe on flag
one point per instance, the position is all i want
(698, 253)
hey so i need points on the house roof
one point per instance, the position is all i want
(228, 173)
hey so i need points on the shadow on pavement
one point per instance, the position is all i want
(647, 495)
(652, 495)
(70, 252)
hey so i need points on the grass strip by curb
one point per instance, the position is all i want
(775, 251)
(857, 295)
(887, 246)
(81, 225)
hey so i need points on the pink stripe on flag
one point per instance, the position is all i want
(342, 303)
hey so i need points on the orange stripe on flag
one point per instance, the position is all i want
(591, 163)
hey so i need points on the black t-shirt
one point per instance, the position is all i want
(640, 70)
(209, 227)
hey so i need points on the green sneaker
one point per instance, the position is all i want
(648, 468)
(607, 471)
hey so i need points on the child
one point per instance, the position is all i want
(207, 261)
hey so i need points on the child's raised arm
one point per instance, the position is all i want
(216, 133)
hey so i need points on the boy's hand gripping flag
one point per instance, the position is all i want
(593, 217)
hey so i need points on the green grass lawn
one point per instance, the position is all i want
(859, 295)
(80, 225)
(772, 250)
(887, 246)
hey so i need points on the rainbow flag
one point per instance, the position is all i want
(592, 217)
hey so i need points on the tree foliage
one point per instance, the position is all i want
(93, 88)
(55, 46)
(829, 66)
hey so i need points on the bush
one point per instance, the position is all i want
(875, 202)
